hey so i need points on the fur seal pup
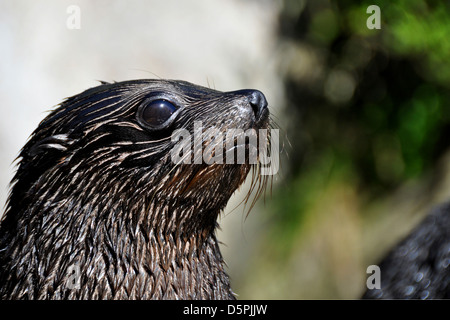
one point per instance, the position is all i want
(98, 209)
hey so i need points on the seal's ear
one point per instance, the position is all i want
(103, 82)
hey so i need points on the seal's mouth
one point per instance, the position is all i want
(222, 146)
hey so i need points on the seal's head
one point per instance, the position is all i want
(98, 179)
(115, 140)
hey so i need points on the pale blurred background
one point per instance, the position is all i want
(366, 113)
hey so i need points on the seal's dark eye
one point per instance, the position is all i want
(157, 112)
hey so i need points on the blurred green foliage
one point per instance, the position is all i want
(367, 107)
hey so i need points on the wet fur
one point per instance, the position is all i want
(419, 266)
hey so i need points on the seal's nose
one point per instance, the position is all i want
(257, 101)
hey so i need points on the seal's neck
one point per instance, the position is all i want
(153, 266)
(110, 250)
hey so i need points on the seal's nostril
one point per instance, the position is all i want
(258, 102)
